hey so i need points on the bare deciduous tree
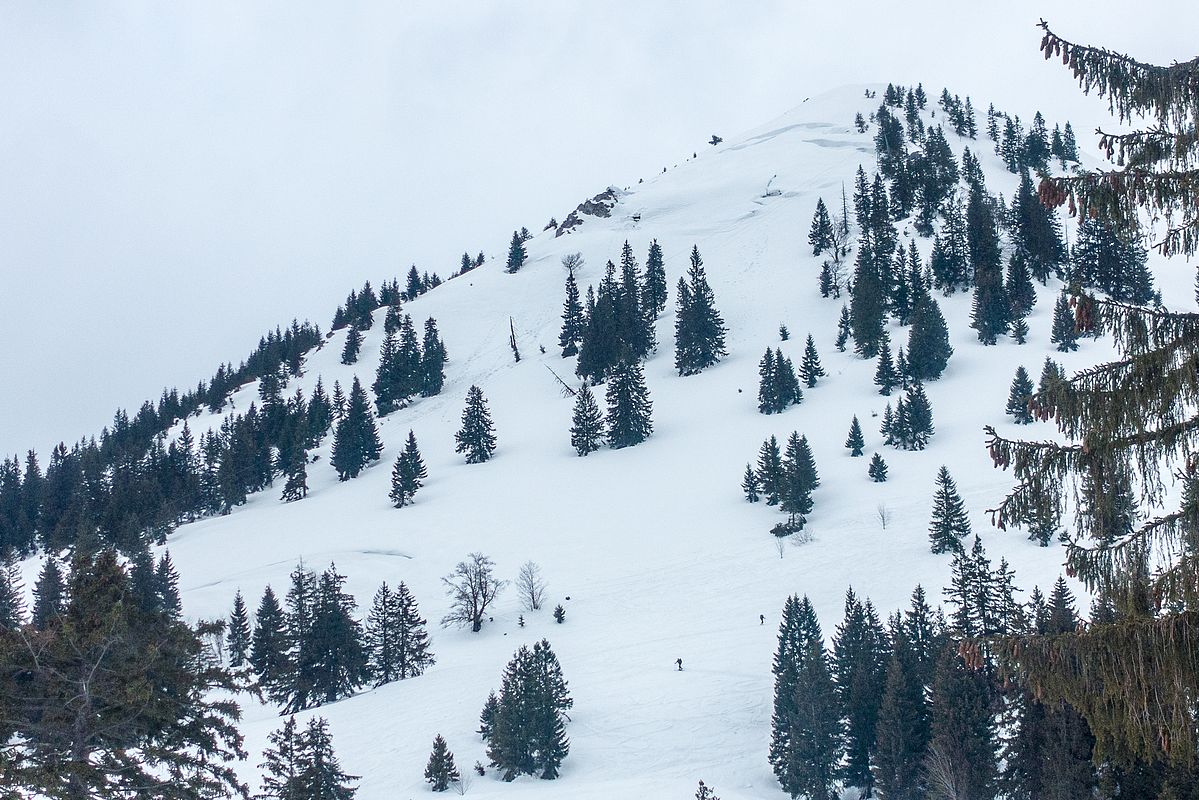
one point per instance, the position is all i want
(530, 586)
(884, 515)
(472, 587)
(572, 261)
(944, 780)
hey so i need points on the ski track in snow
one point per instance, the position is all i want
(661, 556)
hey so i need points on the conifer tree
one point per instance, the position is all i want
(843, 329)
(903, 727)
(407, 474)
(654, 291)
(587, 422)
(441, 771)
(634, 327)
(320, 415)
(601, 346)
(237, 637)
(928, 349)
(432, 361)
(915, 421)
(528, 736)
(166, 586)
(699, 329)
(810, 368)
(516, 253)
(1102, 260)
(356, 442)
(949, 523)
(961, 756)
(798, 479)
(49, 596)
(820, 236)
(268, 645)
(487, 716)
(476, 437)
(859, 661)
(296, 485)
(629, 420)
(854, 442)
(1018, 397)
(749, 484)
(572, 319)
(282, 764)
(397, 644)
(349, 353)
(805, 727)
(321, 776)
(885, 376)
(1035, 232)
(1021, 294)
(877, 469)
(330, 661)
(770, 470)
(990, 311)
(12, 601)
(950, 258)
(867, 307)
(1064, 333)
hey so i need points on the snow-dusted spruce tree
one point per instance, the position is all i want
(472, 588)
(237, 637)
(528, 735)
(517, 256)
(653, 291)
(630, 410)
(698, 328)
(587, 422)
(441, 771)
(356, 442)
(1018, 397)
(854, 442)
(1135, 681)
(573, 323)
(949, 523)
(476, 437)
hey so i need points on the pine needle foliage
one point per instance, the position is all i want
(1135, 679)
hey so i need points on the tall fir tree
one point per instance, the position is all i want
(268, 644)
(885, 376)
(854, 442)
(49, 595)
(928, 350)
(770, 470)
(441, 772)
(902, 732)
(476, 438)
(432, 361)
(629, 419)
(877, 469)
(950, 523)
(844, 329)
(1063, 334)
(587, 422)
(517, 255)
(809, 368)
(699, 329)
(237, 636)
(820, 236)
(356, 442)
(572, 319)
(750, 484)
(654, 290)
(1019, 397)
(990, 310)
(805, 726)
(349, 352)
(397, 644)
(528, 735)
(961, 756)
(859, 662)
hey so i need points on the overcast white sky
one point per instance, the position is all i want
(175, 178)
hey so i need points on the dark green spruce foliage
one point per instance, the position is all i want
(859, 665)
(844, 329)
(517, 256)
(397, 644)
(407, 474)
(1050, 754)
(327, 658)
(885, 376)
(950, 523)
(630, 410)
(635, 328)
(237, 635)
(349, 352)
(601, 347)
(1021, 293)
(778, 387)
(1035, 232)
(653, 292)
(797, 481)
(399, 377)
(356, 442)
(877, 469)
(573, 323)
(699, 330)
(304, 765)
(928, 350)
(990, 312)
(1064, 334)
(770, 470)
(950, 258)
(49, 596)
(820, 236)
(902, 732)
(587, 422)
(1018, 397)
(805, 739)
(854, 442)
(528, 735)
(268, 645)
(750, 484)
(809, 368)
(476, 437)
(432, 363)
(12, 601)
(441, 771)
(487, 716)
(867, 307)
(911, 426)
(1102, 260)
(961, 761)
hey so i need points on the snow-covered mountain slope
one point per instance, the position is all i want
(654, 545)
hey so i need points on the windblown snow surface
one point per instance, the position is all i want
(654, 545)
